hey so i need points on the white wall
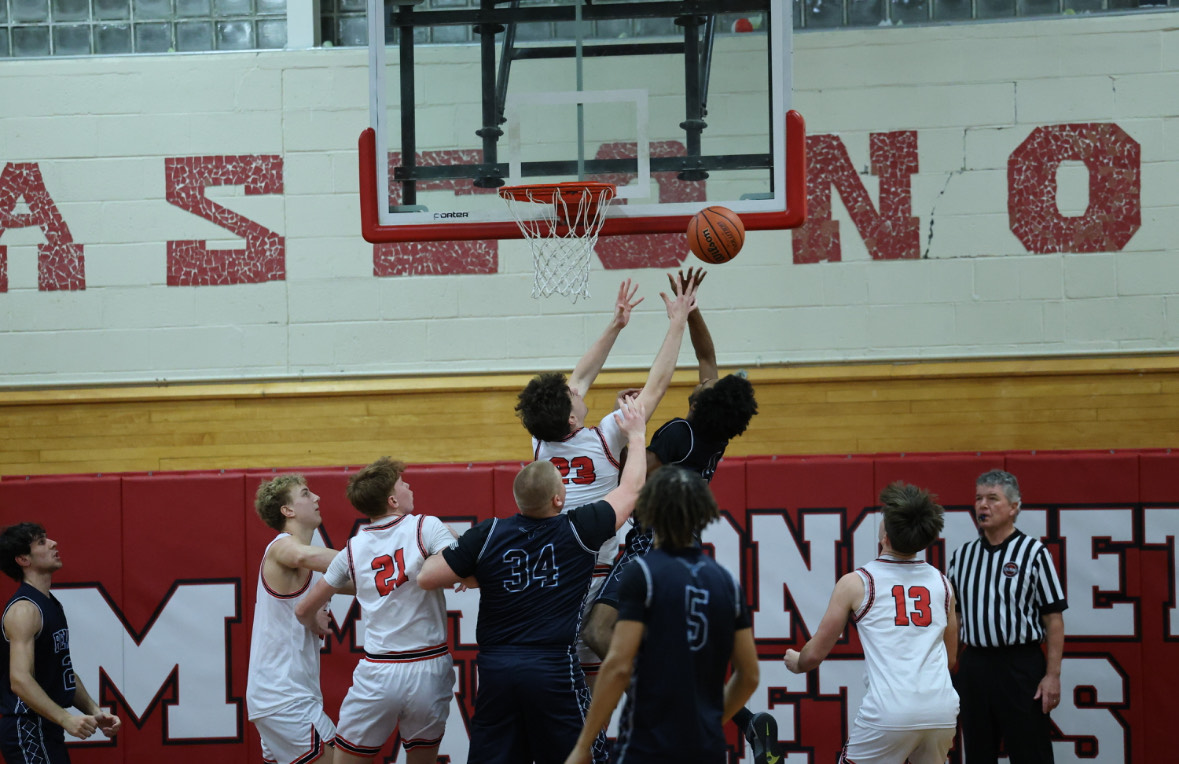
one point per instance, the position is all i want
(98, 132)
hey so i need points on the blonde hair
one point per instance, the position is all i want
(535, 485)
(273, 495)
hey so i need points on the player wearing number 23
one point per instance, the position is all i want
(534, 571)
(903, 609)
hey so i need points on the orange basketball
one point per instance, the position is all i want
(716, 234)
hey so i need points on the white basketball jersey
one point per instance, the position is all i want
(284, 655)
(589, 464)
(383, 559)
(901, 624)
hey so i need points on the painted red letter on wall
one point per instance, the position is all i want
(436, 258)
(60, 264)
(655, 250)
(890, 234)
(1114, 214)
(192, 263)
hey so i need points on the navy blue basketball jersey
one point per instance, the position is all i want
(691, 608)
(673, 443)
(533, 573)
(51, 655)
(676, 442)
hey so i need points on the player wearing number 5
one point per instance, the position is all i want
(534, 570)
(903, 609)
(406, 678)
(681, 621)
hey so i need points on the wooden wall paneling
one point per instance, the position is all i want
(1103, 402)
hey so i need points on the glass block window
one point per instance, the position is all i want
(30, 28)
(344, 21)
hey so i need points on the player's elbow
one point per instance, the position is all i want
(22, 684)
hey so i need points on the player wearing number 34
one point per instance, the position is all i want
(534, 571)
(903, 609)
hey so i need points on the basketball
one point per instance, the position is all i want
(716, 234)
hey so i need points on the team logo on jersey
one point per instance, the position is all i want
(61, 640)
(1010, 569)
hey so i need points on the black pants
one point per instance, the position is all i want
(996, 689)
(29, 737)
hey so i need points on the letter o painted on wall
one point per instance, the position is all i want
(1114, 214)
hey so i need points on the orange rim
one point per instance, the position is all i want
(547, 193)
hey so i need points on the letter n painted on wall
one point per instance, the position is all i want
(890, 233)
(60, 263)
(193, 263)
(1114, 212)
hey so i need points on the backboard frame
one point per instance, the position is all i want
(786, 209)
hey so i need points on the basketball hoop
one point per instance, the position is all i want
(561, 232)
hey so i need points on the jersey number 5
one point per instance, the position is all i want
(390, 572)
(581, 466)
(922, 615)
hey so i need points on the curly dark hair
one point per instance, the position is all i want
(722, 412)
(677, 504)
(16, 540)
(912, 517)
(544, 406)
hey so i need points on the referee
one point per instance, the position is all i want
(1010, 601)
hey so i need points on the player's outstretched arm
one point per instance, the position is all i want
(849, 592)
(21, 624)
(679, 305)
(698, 330)
(591, 363)
(108, 723)
(746, 673)
(437, 573)
(613, 679)
(312, 610)
(632, 421)
(291, 554)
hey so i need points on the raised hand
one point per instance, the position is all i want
(629, 394)
(632, 418)
(684, 301)
(694, 276)
(625, 303)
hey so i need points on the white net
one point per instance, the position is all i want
(561, 224)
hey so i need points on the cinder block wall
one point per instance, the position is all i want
(87, 143)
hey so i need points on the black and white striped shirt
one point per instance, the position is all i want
(1002, 591)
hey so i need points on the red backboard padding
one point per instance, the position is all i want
(137, 547)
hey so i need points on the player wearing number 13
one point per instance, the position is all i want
(534, 571)
(903, 609)
(406, 679)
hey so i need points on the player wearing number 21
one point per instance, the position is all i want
(406, 678)
(903, 609)
(534, 570)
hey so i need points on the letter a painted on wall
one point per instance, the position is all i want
(60, 263)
